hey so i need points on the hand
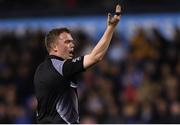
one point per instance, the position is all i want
(113, 21)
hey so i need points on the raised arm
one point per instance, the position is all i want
(100, 49)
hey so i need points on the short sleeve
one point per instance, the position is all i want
(73, 67)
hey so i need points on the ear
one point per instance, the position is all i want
(54, 47)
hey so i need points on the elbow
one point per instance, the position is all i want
(98, 58)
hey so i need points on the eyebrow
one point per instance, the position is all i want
(69, 40)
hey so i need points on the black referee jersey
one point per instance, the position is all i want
(56, 90)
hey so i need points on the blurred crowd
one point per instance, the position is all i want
(21, 8)
(137, 82)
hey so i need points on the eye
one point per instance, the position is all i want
(69, 41)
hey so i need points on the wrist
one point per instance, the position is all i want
(110, 27)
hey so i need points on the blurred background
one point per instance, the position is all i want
(138, 80)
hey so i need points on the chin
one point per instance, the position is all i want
(70, 57)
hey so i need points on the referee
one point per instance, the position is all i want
(54, 79)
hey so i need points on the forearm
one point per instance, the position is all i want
(100, 49)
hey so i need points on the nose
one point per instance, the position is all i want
(72, 45)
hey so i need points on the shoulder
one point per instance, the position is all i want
(43, 67)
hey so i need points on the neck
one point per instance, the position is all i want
(56, 54)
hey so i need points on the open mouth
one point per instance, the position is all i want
(71, 52)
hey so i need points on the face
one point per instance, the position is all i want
(64, 46)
